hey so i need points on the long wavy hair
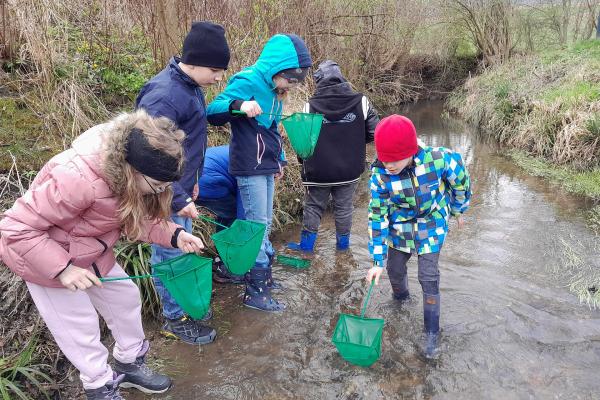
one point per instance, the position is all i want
(134, 206)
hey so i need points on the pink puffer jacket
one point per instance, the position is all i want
(68, 214)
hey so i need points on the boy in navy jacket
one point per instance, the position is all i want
(176, 93)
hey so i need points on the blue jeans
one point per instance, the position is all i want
(256, 192)
(171, 309)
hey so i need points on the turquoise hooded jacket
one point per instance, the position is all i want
(256, 147)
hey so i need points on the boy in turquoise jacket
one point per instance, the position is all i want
(256, 154)
(414, 191)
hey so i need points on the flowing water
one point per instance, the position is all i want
(510, 327)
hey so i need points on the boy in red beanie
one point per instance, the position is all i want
(414, 190)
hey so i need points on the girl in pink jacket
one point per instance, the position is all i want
(59, 238)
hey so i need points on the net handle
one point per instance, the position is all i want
(238, 112)
(122, 278)
(212, 221)
(364, 309)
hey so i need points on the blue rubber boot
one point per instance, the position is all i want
(258, 294)
(431, 322)
(342, 241)
(307, 242)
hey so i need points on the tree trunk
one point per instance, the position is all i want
(169, 35)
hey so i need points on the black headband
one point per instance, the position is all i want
(149, 160)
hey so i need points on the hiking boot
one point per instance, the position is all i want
(431, 325)
(258, 294)
(307, 242)
(139, 376)
(188, 330)
(342, 242)
(221, 274)
(110, 391)
(207, 317)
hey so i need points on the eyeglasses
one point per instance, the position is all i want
(156, 192)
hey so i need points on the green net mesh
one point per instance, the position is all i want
(303, 131)
(239, 245)
(188, 278)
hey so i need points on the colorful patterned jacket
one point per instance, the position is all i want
(410, 211)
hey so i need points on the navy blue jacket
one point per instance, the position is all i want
(173, 94)
(256, 147)
(216, 182)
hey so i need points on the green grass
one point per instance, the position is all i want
(585, 183)
(546, 104)
(22, 134)
(134, 259)
(19, 374)
(573, 92)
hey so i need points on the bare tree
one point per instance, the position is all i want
(570, 20)
(490, 25)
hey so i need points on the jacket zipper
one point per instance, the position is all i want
(417, 211)
(198, 94)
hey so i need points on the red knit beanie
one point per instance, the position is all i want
(395, 139)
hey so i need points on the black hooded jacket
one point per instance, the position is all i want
(349, 123)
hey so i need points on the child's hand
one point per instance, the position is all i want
(279, 174)
(189, 243)
(251, 108)
(374, 272)
(195, 192)
(460, 221)
(188, 211)
(74, 278)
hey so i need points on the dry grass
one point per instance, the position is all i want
(68, 53)
(547, 105)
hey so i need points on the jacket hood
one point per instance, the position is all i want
(328, 73)
(89, 146)
(282, 51)
(334, 96)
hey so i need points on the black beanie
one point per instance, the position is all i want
(205, 45)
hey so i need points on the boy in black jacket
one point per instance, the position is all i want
(339, 158)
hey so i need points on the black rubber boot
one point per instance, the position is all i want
(258, 294)
(110, 391)
(139, 376)
(189, 331)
